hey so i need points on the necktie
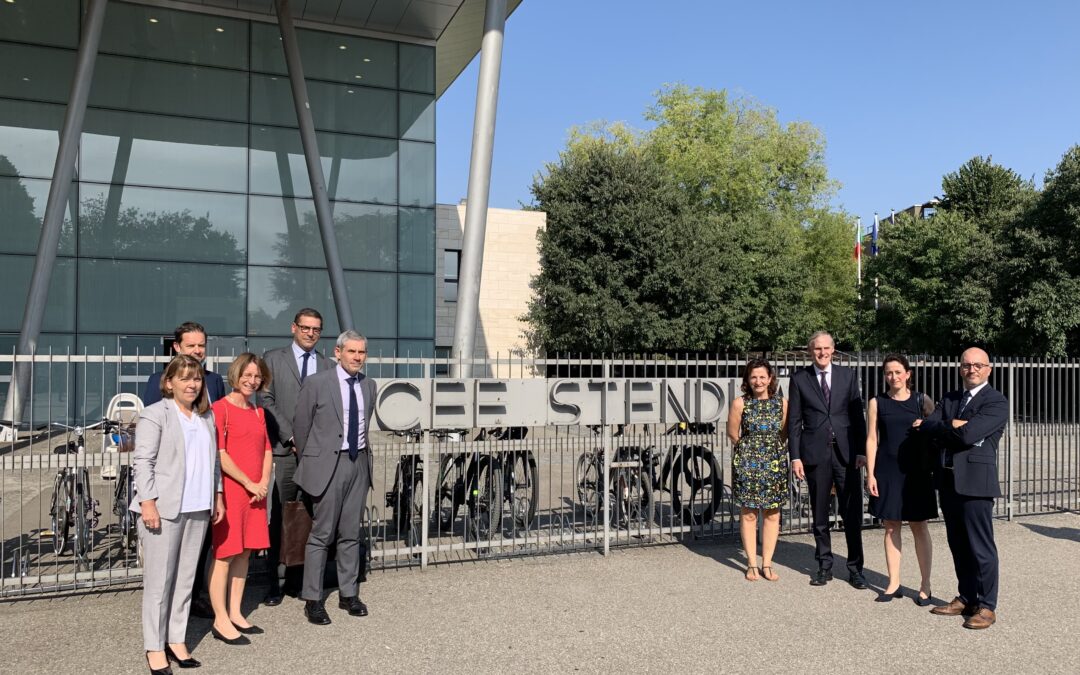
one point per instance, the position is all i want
(303, 370)
(825, 390)
(964, 400)
(354, 420)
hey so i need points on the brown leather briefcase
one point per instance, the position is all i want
(296, 526)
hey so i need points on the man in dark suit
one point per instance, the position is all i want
(189, 339)
(290, 367)
(333, 416)
(967, 426)
(827, 445)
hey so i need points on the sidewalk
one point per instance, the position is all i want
(665, 609)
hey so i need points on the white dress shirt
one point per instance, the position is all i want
(342, 376)
(198, 464)
(828, 375)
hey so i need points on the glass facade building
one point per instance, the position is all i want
(192, 199)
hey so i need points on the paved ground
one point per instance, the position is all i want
(662, 609)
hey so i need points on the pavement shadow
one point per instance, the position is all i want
(1067, 533)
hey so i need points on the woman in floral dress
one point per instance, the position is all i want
(757, 425)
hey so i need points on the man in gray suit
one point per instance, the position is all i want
(290, 366)
(330, 430)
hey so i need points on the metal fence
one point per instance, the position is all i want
(482, 490)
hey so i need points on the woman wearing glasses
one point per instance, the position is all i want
(898, 469)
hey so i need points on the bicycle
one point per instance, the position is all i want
(73, 510)
(470, 479)
(406, 499)
(691, 474)
(521, 485)
(629, 487)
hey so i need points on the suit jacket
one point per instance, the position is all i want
(317, 428)
(973, 447)
(279, 399)
(215, 387)
(809, 420)
(159, 458)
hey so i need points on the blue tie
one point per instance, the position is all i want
(964, 400)
(303, 370)
(354, 419)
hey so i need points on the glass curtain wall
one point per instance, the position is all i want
(192, 199)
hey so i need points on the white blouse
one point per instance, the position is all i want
(198, 464)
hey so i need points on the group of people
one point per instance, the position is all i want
(917, 454)
(204, 461)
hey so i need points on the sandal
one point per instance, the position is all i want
(770, 575)
(751, 574)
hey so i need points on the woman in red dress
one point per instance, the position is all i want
(246, 462)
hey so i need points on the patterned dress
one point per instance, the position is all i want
(760, 462)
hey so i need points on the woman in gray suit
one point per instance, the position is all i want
(178, 493)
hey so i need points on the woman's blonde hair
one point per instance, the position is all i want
(240, 364)
(185, 365)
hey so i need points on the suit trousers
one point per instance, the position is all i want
(285, 490)
(969, 526)
(170, 556)
(820, 479)
(339, 510)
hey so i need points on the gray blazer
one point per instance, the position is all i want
(159, 459)
(317, 428)
(279, 399)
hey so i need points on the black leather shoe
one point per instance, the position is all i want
(250, 630)
(315, 612)
(183, 663)
(821, 578)
(273, 598)
(236, 641)
(857, 580)
(201, 608)
(354, 606)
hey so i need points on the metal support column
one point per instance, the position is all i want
(314, 165)
(483, 144)
(59, 189)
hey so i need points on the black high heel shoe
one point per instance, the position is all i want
(924, 602)
(888, 597)
(238, 640)
(158, 671)
(249, 630)
(183, 663)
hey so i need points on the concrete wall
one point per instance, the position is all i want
(511, 260)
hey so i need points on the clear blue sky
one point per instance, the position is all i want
(903, 91)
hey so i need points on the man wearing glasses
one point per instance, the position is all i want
(967, 426)
(290, 367)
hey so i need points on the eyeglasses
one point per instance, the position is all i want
(974, 366)
(314, 330)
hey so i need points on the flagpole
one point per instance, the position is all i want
(874, 252)
(858, 254)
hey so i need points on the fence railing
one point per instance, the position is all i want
(640, 465)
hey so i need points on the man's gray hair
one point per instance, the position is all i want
(816, 335)
(349, 335)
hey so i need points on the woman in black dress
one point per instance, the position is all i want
(898, 473)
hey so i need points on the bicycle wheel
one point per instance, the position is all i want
(590, 491)
(485, 500)
(59, 515)
(416, 499)
(451, 490)
(695, 484)
(80, 544)
(397, 502)
(634, 503)
(524, 487)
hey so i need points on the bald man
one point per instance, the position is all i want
(966, 427)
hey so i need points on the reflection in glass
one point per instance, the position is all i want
(165, 151)
(362, 61)
(417, 174)
(414, 349)
(287, 233)
(416, 238)
(38, 73)
(22, 208)
(171, 89)
(131, 222)
(416, 297)
(15, 272)
(51, 22)
(51, 387)
(374, 302)
(131, 296)
(334, 107)
(169, 35)
(417, 68)
(356, 168)
(417, 117)
(29, 137)
(276, 294)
